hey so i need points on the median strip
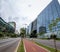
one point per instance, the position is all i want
(48, 48)
(21, 47)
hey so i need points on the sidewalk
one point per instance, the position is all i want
(31, 47)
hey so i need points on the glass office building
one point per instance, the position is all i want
(51, 12)
(5, 27)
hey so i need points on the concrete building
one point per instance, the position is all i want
(29, 29)
(50, 13)
(34, 26)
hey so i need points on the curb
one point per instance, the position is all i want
(17, 46)
(42, 47)
(24, 46)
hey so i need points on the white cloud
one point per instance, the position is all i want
(22, 11)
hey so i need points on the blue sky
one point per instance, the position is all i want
(21, 11)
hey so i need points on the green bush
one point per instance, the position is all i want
(13, 35)
(6, 34)
(1, 34)
(53, 36)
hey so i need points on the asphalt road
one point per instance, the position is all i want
(9, 45)
(49, 43)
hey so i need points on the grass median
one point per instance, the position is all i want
(48, 48)
(21, 47)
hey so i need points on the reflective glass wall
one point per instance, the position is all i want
(51, 12)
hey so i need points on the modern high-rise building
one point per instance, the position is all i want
(13, 24)
(28, 29)
(5, 27)
(2, 24)
(50, 13)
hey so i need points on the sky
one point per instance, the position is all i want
(21, 11)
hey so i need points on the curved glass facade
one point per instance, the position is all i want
(5, 27)
(51, 12)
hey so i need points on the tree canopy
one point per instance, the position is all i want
(53, 23)
(22, 32)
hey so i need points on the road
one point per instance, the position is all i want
(9, 45)
(49, 43)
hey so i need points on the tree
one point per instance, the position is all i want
(53, 24)
(22, 32)
(1, 34)
(57, 20)
(50, 27)
(33, 34)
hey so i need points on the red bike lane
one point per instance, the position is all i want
(32, 47)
